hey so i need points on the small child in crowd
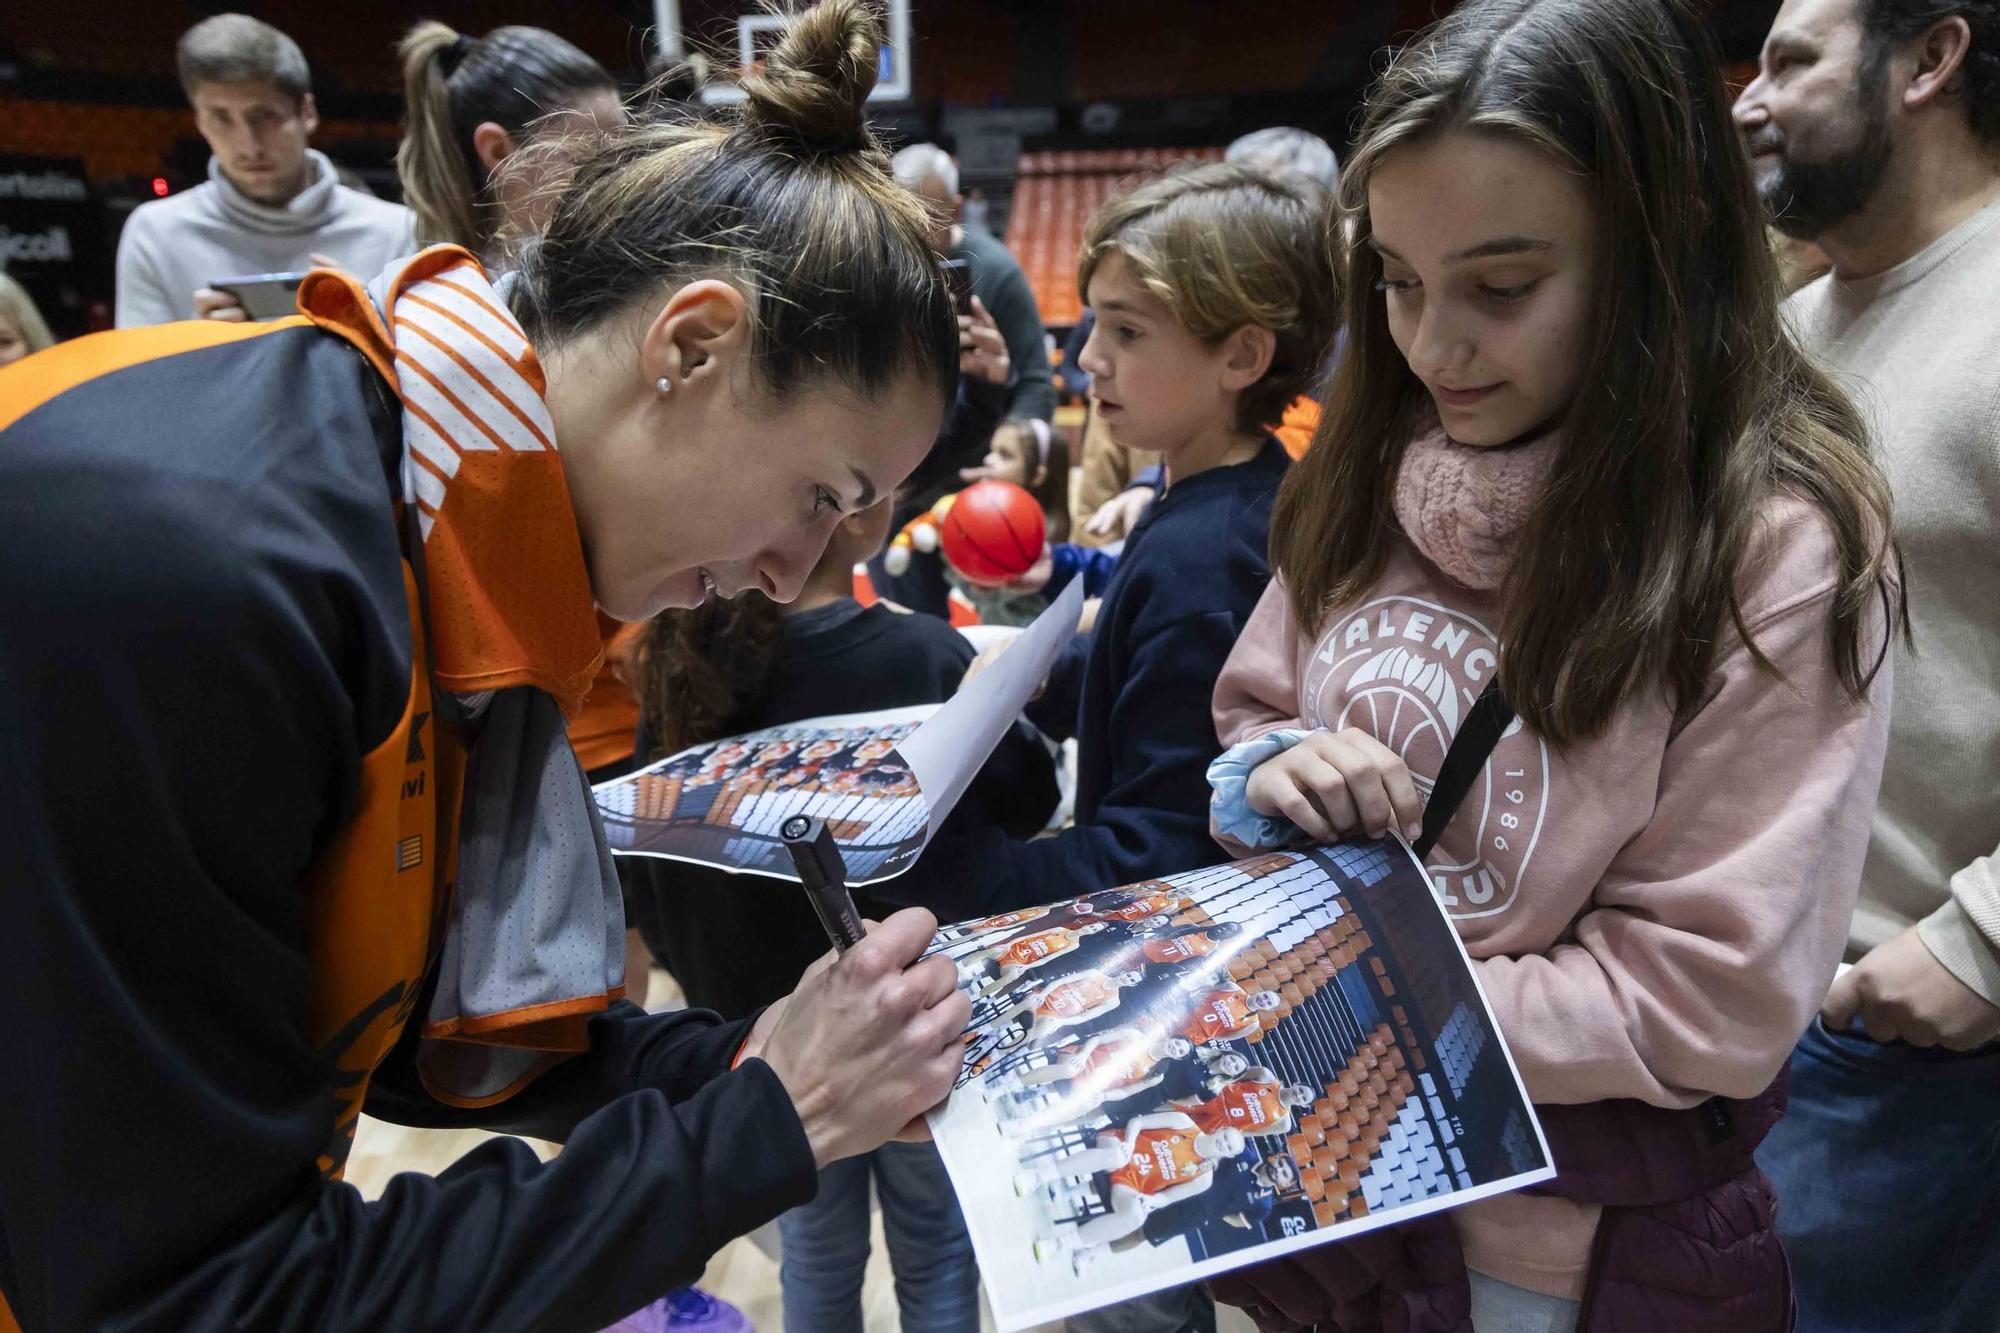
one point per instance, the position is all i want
(1028, 452)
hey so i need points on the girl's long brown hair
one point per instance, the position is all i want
(1698, 407)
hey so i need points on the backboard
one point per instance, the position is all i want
(735, 34)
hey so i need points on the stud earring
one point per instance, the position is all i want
(664, 385)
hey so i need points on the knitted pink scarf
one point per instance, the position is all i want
(1463, 506)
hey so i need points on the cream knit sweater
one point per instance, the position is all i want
(1918, 347)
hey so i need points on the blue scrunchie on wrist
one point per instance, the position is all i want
(1229, 806)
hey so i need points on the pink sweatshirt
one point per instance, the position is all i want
(1655, 913)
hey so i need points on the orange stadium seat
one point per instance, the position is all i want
(1054, 195)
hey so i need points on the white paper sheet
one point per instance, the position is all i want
(947, 751)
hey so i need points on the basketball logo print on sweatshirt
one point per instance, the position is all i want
(1406, 671)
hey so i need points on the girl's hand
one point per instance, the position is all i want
(982, 352)
(1332, 784)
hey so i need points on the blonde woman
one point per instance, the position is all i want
(473, 104)
(22, 329)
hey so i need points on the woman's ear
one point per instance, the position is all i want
(690, 340)
(492, 145)
(1246, 356)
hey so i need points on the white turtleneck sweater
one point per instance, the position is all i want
(172, 246)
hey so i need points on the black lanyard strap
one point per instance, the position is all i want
(1491, 715)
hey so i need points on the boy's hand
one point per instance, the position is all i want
(987, 659)
(1332, 784)
(1036, 576)
(983, 661)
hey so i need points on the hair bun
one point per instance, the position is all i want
(814, 85)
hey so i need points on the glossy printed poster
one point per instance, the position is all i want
(883, 782)
(1182, 1076)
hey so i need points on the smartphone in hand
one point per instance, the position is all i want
(264, 295)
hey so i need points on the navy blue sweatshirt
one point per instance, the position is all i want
(1135, 693)
(206, 633)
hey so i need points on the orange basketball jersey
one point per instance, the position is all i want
(1027, 952)
(1253, 1108)
(1120, 1062)
(1078, 995)
(1140, 908)
(1180, 949)
(1161, 1159)
(1006, 919)
(1221, 1012)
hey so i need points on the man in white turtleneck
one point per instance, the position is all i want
(271, 204)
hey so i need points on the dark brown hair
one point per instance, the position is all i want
(235, 48)
(1697, 407)
(1889, 23)
(788, 196)
(1227, 246)
(701, 670)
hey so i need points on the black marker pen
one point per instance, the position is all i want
(823, 871)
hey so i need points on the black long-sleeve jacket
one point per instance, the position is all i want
(206, 697)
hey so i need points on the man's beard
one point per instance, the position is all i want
(1806, 199)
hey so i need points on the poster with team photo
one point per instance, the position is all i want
(883, 782)
(1185, 1075)
(723, 803)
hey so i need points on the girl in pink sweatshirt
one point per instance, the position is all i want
(1571, 449)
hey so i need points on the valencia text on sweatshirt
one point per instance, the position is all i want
(1135, 693)
(1655, 912)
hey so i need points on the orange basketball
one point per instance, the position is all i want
(994, 532)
